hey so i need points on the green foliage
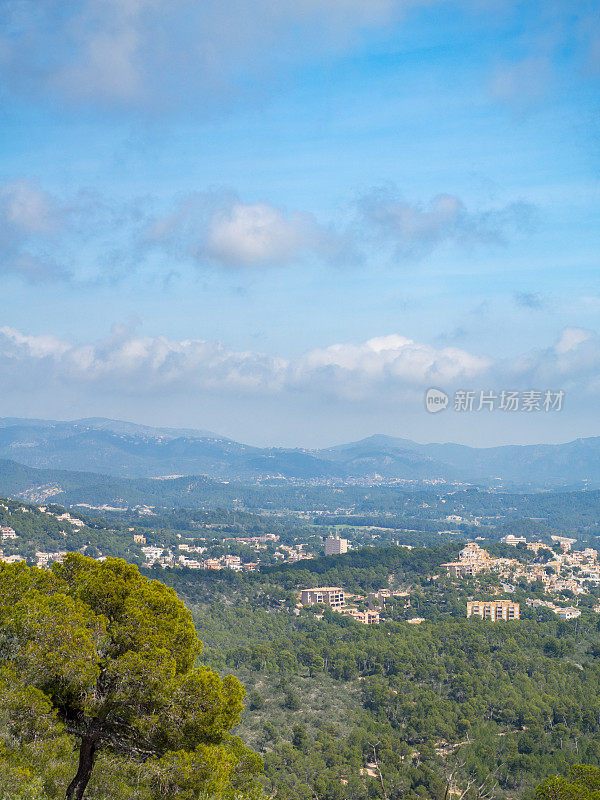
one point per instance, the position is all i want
(483, 701)
(582, 783)
(93, 654)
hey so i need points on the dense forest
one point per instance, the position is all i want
(335, 709)
(342, 710)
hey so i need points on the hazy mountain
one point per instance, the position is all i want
(136, 451)
(540, 466)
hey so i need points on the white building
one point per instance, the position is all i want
(10, 559)
(513, 540)
(43, 559)
(568, 613)
(564, 542)
(78, 523)
(334, 546)
(152, 554)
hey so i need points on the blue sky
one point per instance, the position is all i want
(286, 221)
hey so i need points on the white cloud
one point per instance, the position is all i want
(378, 372)
(394, 362)
(571, 338)
(220, 228)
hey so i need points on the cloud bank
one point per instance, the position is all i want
(378, 371)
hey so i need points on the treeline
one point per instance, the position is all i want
(365, 569)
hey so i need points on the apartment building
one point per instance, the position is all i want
(331, 596)
(366, 617)
(473, 552)
(334, 546)
(493, 610)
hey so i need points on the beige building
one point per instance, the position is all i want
(334, 546)
(535, 546)
(331, 596)
(493, 609)
(472, 559)
(463, 569)
(366, 617)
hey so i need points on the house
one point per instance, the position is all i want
(567, 613)
(10, 559)
(564, 542)
(152, 553)
(77, 523)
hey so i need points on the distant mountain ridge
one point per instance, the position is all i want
(128, 450)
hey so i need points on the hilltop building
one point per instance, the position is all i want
(535, 546)
(472, 559)
(513, 540)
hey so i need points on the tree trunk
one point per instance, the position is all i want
(87, 757)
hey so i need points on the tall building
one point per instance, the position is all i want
(331, 596)
(334, 546)
(493, 609)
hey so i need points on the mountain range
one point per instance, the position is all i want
(128, 450)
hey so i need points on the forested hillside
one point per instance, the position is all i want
(343, 710)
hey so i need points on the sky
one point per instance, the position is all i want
(285, 221)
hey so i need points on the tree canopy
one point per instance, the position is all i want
(97, 654)
(582, 783)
